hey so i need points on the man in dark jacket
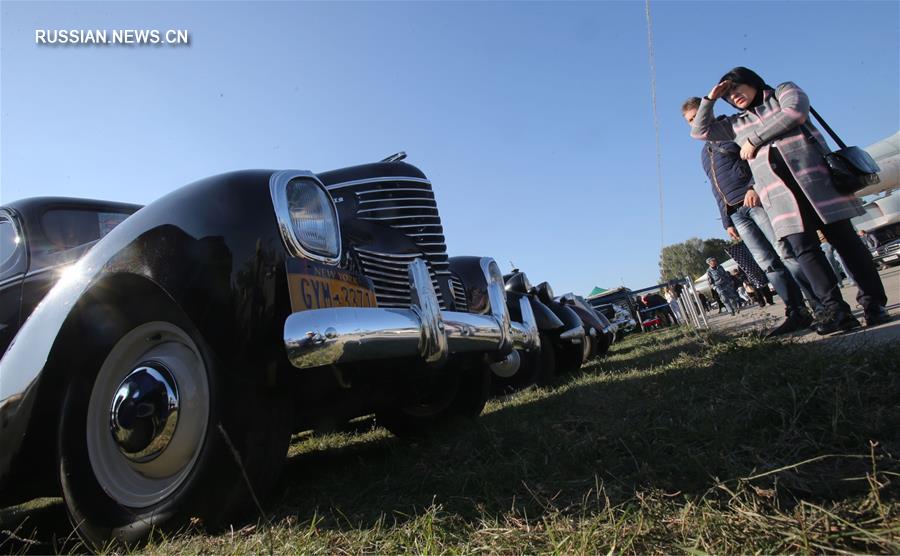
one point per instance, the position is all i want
(723, 284)
(743, 217)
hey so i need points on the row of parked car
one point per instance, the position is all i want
(159, 358)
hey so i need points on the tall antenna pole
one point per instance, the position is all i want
(655, 120)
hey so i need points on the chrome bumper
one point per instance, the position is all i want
(352, 334)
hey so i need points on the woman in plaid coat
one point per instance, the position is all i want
(793, 184)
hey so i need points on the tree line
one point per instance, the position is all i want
(688, 258)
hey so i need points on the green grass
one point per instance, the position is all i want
(672, 443)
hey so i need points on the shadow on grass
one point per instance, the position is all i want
(739, 408)
(38, 527)
(664, 412)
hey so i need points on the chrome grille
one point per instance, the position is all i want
(459, 294)
(407, 205)
(389, 273)
(886, 249)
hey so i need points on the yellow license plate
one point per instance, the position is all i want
(316, 286)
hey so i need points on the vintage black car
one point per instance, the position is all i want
(561, 332)
(162, 376)
(40, 238)
(599, 333)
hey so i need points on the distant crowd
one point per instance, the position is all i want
(775, 191)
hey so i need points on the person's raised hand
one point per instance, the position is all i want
(719, 90)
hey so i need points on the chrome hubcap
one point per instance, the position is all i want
(148, 414)
(144, 412)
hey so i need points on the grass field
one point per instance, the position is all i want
(673, 443)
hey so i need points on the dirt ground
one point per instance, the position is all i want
(755, 318)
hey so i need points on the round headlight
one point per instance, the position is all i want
(314, 220)
(526, 283)
(549, 290)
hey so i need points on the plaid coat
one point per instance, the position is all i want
(777, 121)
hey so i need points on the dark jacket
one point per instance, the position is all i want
(729, 176)
(721, 280)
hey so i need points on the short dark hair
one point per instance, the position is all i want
(693, 102)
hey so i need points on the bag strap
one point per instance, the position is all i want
(827, 128)
(812, 139)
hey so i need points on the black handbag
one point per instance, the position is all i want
(852, 168)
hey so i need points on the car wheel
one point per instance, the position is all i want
(604, 341)
(587, 347)
(569, 358)
(416, 420)
(529, 368)
(152, 436)
(547, 367)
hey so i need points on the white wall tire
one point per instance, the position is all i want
(115, 491)
(140, 484)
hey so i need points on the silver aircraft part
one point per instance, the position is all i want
(350, 334)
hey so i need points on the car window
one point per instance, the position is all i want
(66, 228)
(9, 242)
(69, 233)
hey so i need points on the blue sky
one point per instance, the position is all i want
(533, 120)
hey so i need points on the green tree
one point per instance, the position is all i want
(688, 258)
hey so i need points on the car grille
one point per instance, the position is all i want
(407, 205)
(389, 273)
(459, 294)
(888, 249)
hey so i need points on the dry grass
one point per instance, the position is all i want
(673, 443)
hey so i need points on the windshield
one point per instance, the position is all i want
(69, 232)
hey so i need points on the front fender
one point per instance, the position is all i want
(565, 313)
(570, 319)
(26, 356)
(589, 318)
(212, 248)
(544, 317)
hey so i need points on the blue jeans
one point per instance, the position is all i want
(729, 299)
(756, 230)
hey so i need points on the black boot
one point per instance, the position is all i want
(797, 319)
(876, 316)
(838, 319)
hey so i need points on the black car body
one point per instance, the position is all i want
(39, 239)
(599, 332)
(560, 329)
(170, 366)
